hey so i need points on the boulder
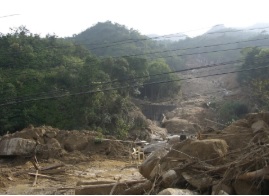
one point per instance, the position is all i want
(17, 146)
(222, 189)
(169, 179)
(150, 167)
(235, 136)
(139, 189)
(174, 191)
(51, 149)
(52, 143)
(157, 132)
(213, 150)
(242, 123)
(244, 131)
(153, 137)
(180, 126)
(51, 134)
(72, 140)
(259, 126)
(30, 133)
(253, 117)
(200, 182)
(173, 139)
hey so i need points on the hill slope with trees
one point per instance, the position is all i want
(55, 82)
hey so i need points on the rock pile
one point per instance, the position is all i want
(48, 142)
(231, 161)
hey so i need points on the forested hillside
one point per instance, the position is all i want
(86, 81)
(55, 82)
(108, 39)
(217, 45)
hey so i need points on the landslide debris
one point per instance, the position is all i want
(231, 161)
(47, 142)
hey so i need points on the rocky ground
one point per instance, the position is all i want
(69, 156)
(229, 161)
(15, 178)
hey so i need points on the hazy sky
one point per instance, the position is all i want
(68, 17)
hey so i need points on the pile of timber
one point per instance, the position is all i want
(42, 172)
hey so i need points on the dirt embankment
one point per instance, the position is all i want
(82, 155)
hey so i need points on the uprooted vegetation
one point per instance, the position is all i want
(233, 161)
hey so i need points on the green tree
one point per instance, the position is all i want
(157, 87)
(256, 81)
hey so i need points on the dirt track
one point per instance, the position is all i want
(98, 169)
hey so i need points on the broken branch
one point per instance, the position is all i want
(52, 166)
(261, 173)
(41, 175)
(35, 181)
(113, 188)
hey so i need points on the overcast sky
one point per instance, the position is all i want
(68, 17)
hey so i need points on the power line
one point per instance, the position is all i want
(136, 40)
(179, 49)
(116, 43)
(140, 77)
(9, 15)
(148, 76)
(123, 87)
(206, 46)
(149, 38)
(205, 93)
(170, 56)
(181, 55)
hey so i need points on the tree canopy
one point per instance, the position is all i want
(55, 82)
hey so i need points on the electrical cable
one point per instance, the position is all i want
(116, 43)
(170, 56)
(123, 87)
(141, 77)
(9, 15)
(111, 45)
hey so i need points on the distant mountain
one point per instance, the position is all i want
(172, 37)
(113, 39)
(216, 45)
(216, 28)
(241, 33)
(259, 28)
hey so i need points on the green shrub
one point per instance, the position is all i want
(232, 110)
